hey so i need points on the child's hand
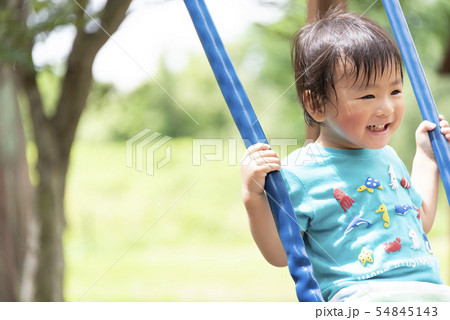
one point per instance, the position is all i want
(256, 163)
(423, 140)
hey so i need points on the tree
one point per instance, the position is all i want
(445, 68)
(17, 223)
(23, 22)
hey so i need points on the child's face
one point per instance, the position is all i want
(367, 115)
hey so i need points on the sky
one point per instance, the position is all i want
(153, 28)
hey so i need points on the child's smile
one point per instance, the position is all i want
(362, 115)
(378, 128)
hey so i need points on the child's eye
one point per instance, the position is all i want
(369, 96)
(395, 92)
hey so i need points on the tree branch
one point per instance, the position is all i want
(77, 81)
(24, 66)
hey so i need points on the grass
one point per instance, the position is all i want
(179, 235)
(199, 249)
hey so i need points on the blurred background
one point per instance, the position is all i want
(79, 222)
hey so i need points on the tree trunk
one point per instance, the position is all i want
(317, 8)
(50, 208)
(54, 134)
(16, 199)
(445, 67)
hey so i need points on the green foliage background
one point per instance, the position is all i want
(182, 233)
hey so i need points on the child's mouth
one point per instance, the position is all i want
(378, 128)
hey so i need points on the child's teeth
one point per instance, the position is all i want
(377, 127)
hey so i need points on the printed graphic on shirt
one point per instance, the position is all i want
(415, 240)
(418, 211)
(365, 256)
(394, 182)
(356, 222)
(410, 263)
(345, 200)
(402, 209)
(370, 184)
(427, 243)
(405, 184)
(386, 219)
(393, 246)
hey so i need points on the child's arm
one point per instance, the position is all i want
(425, 174)
(257, 162)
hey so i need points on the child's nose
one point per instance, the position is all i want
(385, 108)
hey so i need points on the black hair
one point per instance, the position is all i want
(363, 47)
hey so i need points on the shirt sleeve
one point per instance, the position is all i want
(303, 206)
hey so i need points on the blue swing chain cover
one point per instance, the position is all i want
(300, 267)
(421, 88)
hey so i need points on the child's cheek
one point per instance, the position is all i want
(353, 122)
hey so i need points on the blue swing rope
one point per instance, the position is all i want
(421, 88)
(245, 118)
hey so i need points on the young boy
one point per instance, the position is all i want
(364, 220)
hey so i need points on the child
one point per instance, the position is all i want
(364, 220)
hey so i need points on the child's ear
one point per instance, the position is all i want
(315, 109)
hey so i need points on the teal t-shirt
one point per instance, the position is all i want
(360, 216)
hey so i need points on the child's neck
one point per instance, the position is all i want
(330, 143)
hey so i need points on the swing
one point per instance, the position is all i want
(307, 288)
